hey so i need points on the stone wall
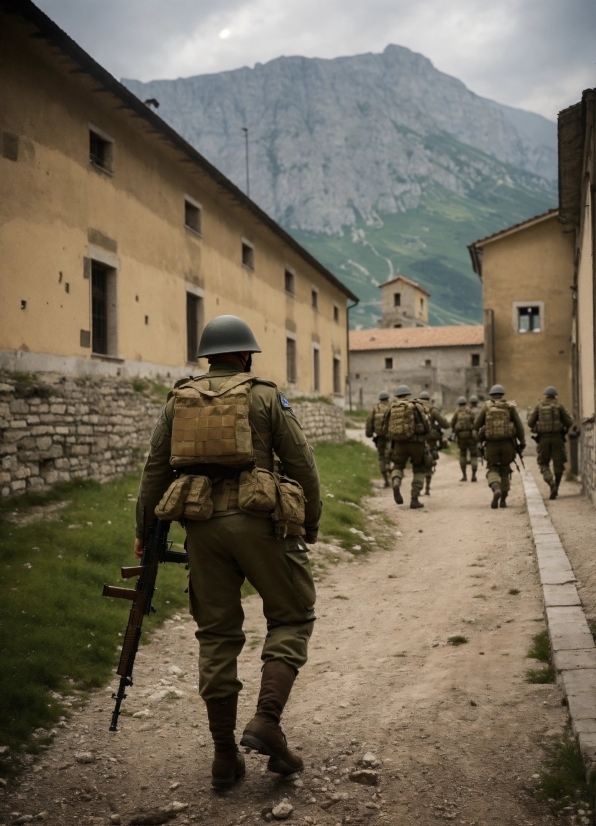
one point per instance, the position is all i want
(587, 449)
(56, 429)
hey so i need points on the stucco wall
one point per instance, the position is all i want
(413, 309)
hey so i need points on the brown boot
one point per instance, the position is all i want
(474, 475)
(415, 502)
(496, 489)
(553, 490)
(264, 733)
(386, 478)
(228, 765)
(427, 488)
(396, 492)
(464, 477)
(503, 502)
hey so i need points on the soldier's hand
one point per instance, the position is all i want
(310, 538)
(138, 548)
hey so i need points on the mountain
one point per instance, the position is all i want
(377, 163)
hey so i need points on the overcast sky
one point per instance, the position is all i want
(534, 54)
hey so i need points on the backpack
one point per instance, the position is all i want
(380, 414)
(407, 419)
(498, 424)
(549, 417)
(465, 420)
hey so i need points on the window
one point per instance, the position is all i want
(194, 319)
(428, 363)
(291, 360)
(314, 299)
(397, 326)
(475, 360)
(336, 313)
(248, 255)
(103, 309)
(316, 369)
(389, 364)
(193, 216)
(289, 282)
(422, 304)
(528, 319)
(397, 299)
(337, 375)
(101, 150)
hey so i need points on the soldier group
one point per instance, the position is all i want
(411, 429)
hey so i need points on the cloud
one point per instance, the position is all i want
(536, 54)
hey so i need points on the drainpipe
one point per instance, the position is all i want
(348, 380)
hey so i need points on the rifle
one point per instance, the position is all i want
(157, 550)
(519, 452)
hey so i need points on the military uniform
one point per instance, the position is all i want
(374, 430)
(462, 425)
(550, 420)
(500, 452)
(433, 440)
(413, 448)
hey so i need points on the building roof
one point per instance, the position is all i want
(405, 281)
(46, 29)
(410, 338)
(475, 249)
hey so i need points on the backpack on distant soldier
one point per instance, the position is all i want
(498, 424)
(380, 414)
(465, 420)
(407, 419)
(549, 417)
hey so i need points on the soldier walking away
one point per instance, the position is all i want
(499, 425)
(475, 404)
(407, 426)
(462, 425)
(434, 438)
(211, 465)
(550, 421)
(374, 430)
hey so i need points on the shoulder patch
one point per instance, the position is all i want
(284, 402)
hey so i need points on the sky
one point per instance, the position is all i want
(534, 54)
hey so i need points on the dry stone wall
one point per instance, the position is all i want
(57, 429)
(588, 459)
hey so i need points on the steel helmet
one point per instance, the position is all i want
(473, 399)
(462, 400)
(550, 391)
(383, 395)
(497, 390)
(425, 396)
(227, 334)
(403, 390)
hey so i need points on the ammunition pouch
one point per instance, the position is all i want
(188, 497)
(289, 514)
(257, 493)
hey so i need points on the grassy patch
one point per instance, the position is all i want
(540, 649)
(514, 591)
(541, 676)
(458, 639)
(563, 777)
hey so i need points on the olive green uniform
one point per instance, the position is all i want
(467, 440)
(415, 451)
(551, 446)
(382, 443)
(433, 438)
(233, 546)
(500, 453)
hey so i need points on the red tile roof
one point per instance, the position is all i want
(407, 338)
(405, 281)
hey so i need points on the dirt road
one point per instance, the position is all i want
(456, 731)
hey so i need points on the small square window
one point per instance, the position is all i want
(528, 319)
(193, 216)
(314, 299)
(336, 313)
(397, 326)
(475, 360)
(289, 282)
(397, 299)
(388, 364)
(101, 151)
(428, 363)
(248, 255)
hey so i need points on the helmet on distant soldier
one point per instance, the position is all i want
(497, 390)
(383, 395)
(425, 396)
(550, 391)
(227, 334)
(473, 399)
(403, 390)
(462, 400)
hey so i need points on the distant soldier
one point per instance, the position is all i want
(551, 421)
(462, 425)
(475, 404)
(499, 425)
(434, 437)
(407, 426)
(374, 431)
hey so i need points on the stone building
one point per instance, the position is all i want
(119, 240)
(404, 303)
(527, 278)
(446, 361)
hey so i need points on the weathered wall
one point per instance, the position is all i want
(61, 429)
(413, 309)
(587, 468)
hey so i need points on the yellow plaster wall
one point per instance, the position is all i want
(585, 315)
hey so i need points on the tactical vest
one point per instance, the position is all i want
(498, 424)
(465, 420)
(379, 415)
(407, 419)
(549, 417)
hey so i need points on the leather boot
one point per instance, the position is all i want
(264, 733)
(427, 488)
(474, 475)
(464, 477)
(503, 502)
(558, 477)
(496, 489)
(386, 478)
(228, 765)
(415, 502)
(396, 491)
(553, 490)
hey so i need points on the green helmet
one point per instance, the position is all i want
(550, 391)
(227, 334)
(462, 400)
(403, 390)
(497, 390)
(425, 396)
(383, 396)
(473, 399)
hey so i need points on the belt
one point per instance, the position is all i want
(211, 471)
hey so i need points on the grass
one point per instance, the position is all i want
(563, 778)
(458, 639)
(514, 591)
(541, 676)
(540, 651)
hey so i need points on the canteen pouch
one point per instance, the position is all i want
(198, 504)
(289, 513)
(257, 493)
(171, 504)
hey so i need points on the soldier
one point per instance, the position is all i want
(475, 404)
(407, 426)
(499, 425)
(434, 437)
(374, 431)
(462, 425)
(212, 428)
(551, 421)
